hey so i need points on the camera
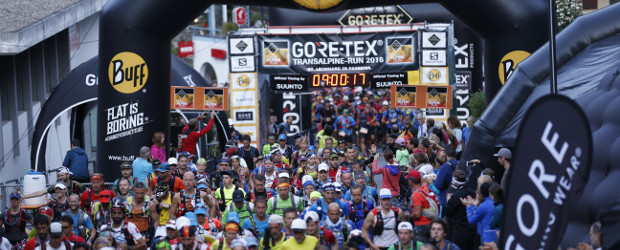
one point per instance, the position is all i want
(403, 168)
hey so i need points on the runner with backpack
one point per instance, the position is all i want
(382, 222)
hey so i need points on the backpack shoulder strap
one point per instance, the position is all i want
(274, 204)
(221, 245)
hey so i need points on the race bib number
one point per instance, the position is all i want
(363, 130)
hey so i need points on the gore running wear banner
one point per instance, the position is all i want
(339, 53)
(549, 173)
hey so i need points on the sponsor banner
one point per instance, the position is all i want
(242, 64)
(385, 80)
(244, 116)
(128, 72)
(400, 50)
(379, 15)
(434, 76)
(239, 16)
(461, 94)
(436, 97)
(434, 58)
(405, 96)
(244, 98)
(183, 98)
(551, 166)
(186, 49)
(252, 131)
(419, 96)
(435, 113)
(463, 80)
(288, 104)
(241, 45)
(288, 83)
(215, 99)
(434, 40)
(243, 81)
(199, 98)
(509, 63)
(303, 54)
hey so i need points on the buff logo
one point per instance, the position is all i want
(128, 72)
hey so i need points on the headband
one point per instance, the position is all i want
(232, 227)
(283, 185)
(455, 181)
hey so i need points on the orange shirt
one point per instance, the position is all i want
(178, 184)
(418, 199)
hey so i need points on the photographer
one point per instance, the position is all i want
(391, 175)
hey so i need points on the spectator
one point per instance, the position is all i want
(497, 195)
(191, 134)
(158, 149)
(455, 212)
(481, 214)
(391, 175)
(444, 177)
(77, 161)
(142, 166)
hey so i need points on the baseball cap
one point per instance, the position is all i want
(165, 167)
(385, 103)
(283, 174)
(56, 230)
(182, 221)
(282, 137)
(238, 196)
(400, 141)
(276, 152)
(192, 218)
(125, 165)
(64, 170)
(105, 196)
(302, 158)
(172, 161)
(222, 173)
(332, 156)
(405, 225)
(171, 224)
(201, 210)
(202, 185)
(60, 185)
(385, 193)
(415, 175)
(46, 210)
(298, 225)
(273, 219)
(312, 215)
(233, 217)
(251, 242)
(238, 243)
(15, 195)
(323, 166)
(504, 152)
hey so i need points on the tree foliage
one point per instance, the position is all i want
(567, 11)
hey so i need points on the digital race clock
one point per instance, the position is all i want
(339, 80)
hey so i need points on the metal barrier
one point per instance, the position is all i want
(7, 189)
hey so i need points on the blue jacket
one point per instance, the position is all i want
(444, 178)
(77, 161)
(482, 215)
(322, 210)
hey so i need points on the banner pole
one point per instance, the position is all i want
(552, 31)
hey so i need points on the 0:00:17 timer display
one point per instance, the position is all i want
(339, 80)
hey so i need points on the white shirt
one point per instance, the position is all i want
(48, 247)
(6, 245)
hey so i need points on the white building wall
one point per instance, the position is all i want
(58, 136)
(202, 56)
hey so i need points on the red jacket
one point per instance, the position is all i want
(189, 143)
